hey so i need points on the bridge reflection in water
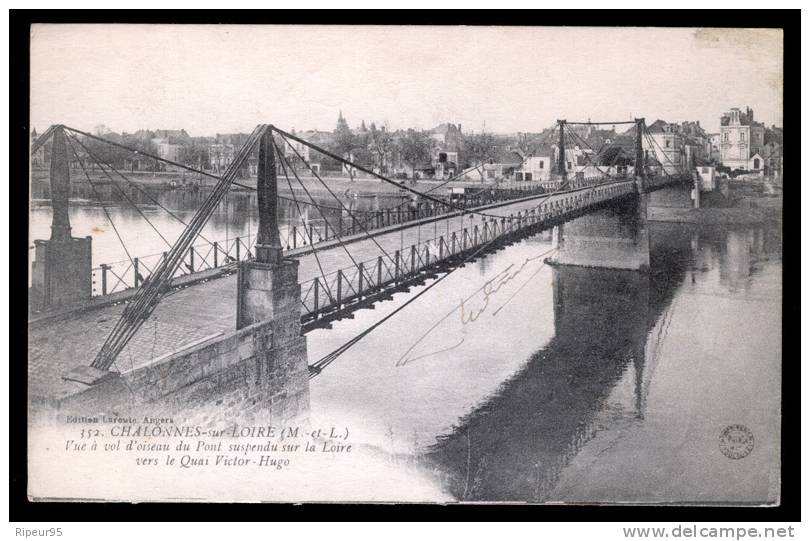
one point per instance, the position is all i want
(608, 328)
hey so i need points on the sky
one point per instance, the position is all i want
(220, 79)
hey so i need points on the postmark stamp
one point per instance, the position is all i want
(736, 441)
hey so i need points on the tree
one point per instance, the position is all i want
(361, 153)
(195, 154)
(414, 147)
(479, 148)
(94, 151)
(380, 143)
(143, 145)
(344, 140)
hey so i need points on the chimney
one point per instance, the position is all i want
(459, 127)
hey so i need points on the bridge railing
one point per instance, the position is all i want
(344, 286)
(109, 278)
(372, 278)
(345, 224)
(117, 276)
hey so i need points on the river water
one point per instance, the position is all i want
(517, 381)
(235, 216)
(574, 384)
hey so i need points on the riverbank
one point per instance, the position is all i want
(741, 209)
(714, 216)
(339, 185)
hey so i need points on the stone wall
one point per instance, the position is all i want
(257, 374)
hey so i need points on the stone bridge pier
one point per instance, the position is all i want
(61, 273)
(613, 238)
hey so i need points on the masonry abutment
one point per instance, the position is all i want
(61, 273)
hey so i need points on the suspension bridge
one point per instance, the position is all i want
(232, 316)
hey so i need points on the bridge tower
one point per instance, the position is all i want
(267, 287)
(62, 270)
(561, 169)
(640, 168)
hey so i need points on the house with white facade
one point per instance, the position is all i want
(741, 140)
(666, 146)
(538, 165)
(502, 166)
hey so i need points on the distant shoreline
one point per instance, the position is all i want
(342, 187)
(714, 216)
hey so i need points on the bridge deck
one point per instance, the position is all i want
(203, 310)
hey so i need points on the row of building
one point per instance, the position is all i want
(741, 145)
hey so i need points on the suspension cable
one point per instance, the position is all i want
(306, 229)
(123, 192)
(600, 123)
(103, 207)
(318, 366)
(377, 175)
(139, 188)
(365, 230)
(651, 138)
(141, 152)
(174, 163)
(42, 139)
(311, 145)
(326, 221)
(576, 135)
(651, 142)
(337, 236)
(148, 296)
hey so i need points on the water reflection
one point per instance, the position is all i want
(609, 329)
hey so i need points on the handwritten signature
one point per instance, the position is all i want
(468, 316)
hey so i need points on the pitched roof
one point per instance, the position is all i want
(507, 157)
(659, 126)
(543, 150)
